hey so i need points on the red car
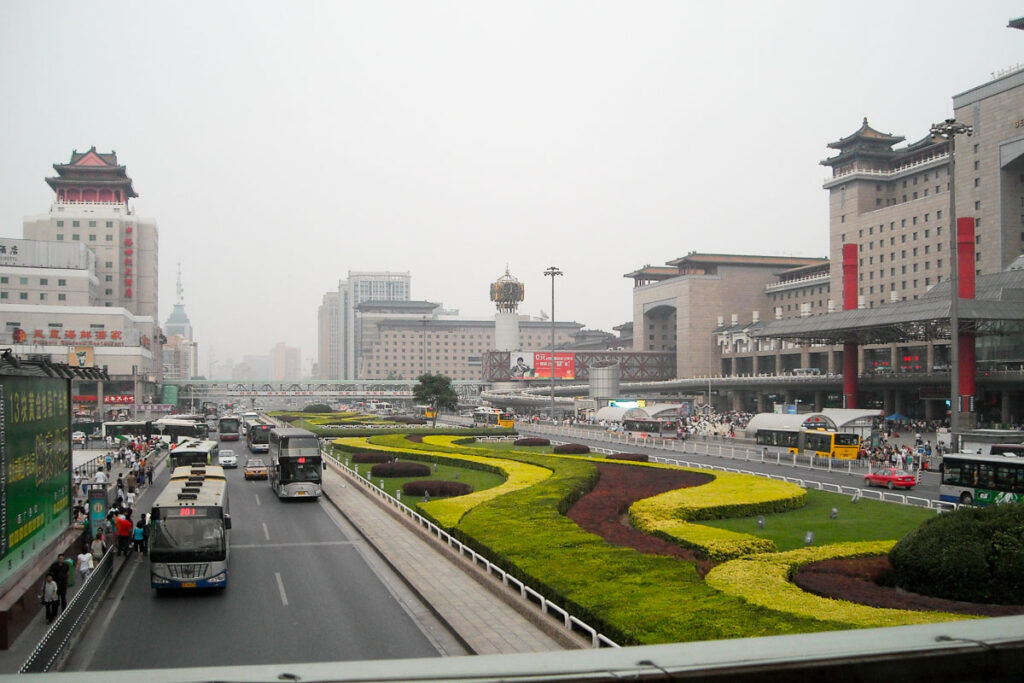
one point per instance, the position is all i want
(892, 478)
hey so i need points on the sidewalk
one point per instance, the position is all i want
(483, 614)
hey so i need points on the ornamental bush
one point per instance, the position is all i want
(532, 441)
(436, 489)
(633, 457)
(571, 449)
(400, 469)
(972, 554)
(372, 457)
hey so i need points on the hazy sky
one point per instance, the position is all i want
(280, 145)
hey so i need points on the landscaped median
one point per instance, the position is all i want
(448, 512)
(764, 580)
(669, 515)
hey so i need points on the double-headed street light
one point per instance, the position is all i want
(552, 272)
(949, 129)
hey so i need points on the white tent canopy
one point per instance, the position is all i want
(610, 414)
(787, 421)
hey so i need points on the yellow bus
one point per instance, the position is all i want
(818, 442)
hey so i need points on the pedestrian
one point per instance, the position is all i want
(142, 476)
(97, 548)
(59, 571)
(130, 481)
(139, 537)
(149, 474)
(109, 461)
(85, 563)
(50, 598)
(101, 477)
(129, 500)
(124, 533)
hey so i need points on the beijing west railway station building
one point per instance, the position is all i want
(869, 327)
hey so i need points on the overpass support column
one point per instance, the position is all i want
(787, 396)
(887, 401)
(738, 401)
(850, 364)
(931, 410)
(819, 400)
(762, 402)
(899, 403)
(1007, 406)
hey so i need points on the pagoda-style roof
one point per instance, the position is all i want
(93, 168)
(651, 273)
(866, 132)
(865, 142)
(925, 143)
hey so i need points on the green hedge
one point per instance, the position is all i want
(972, 554)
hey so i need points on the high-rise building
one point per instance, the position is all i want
(338, 319)
(90, 205)
(285, 362)
(181, 353)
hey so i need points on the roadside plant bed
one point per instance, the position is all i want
(632, 457)
(415, 438)
(372, 456)
(531, 441)
(863, 580)
(602, 511)
(400, 468)
(570, 449)
(436, 489)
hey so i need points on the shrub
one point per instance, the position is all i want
(406, 420)
(436, 489)
(317, 408)
(972, 554)
(372, 457)
(532, 441)
(633, 457)
(571, 449)
(400, 469)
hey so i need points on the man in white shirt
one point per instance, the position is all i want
(100, 478)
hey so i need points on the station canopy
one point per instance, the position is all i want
(610, 414)
(788, 421)
(655, 411)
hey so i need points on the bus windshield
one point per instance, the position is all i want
(300, 468)
(228, 424)
(179, 539)
(847, 439)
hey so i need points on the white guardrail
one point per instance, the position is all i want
(548, 607)
(748, 454)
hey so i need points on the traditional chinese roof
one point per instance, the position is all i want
(866, 132)
(653, 273)
(93, 168)
(694, 259)
(865, 142)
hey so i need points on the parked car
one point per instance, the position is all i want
(255, 469)
(77, 438)
(891, 478)
(227, 458)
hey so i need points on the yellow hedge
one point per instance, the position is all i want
(448, 511)
(764, 580)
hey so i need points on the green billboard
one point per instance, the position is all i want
(35, 463)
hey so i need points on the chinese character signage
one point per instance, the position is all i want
(537, 365)
(35, 459)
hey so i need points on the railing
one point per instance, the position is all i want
(56, 640)
(892, 173)
(824, 277)
(571, 623)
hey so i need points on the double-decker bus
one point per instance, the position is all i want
(978, 479)
(485, 416)
(257, 437)
(190, 527)
(662, 428)
(818, 442)
(295, 463)
(227, 427)
(193, 452)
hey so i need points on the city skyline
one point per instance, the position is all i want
(449, 141)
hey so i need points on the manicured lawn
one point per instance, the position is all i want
(478, 479)
(865, 520)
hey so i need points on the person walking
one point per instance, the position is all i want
(97, 548)
(139, 538)
(85, 563)
(124, 534)
(59, 570)
(50, 598)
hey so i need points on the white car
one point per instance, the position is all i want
(227, 458)
(78, 438)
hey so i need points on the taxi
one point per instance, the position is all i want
(255, 469)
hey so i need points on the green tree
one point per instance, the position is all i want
(435, 391)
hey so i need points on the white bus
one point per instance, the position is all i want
(973, 479)
(193, 452)
(295, 465)
(190, 529)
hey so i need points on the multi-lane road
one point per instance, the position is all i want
(302, 588)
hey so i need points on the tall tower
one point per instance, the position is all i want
(506, 293)
(181, 353)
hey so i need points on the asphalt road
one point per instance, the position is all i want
(301, 588)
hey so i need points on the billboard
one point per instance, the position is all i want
(81, 357)
(537, 365)
(35, 460)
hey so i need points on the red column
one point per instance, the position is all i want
(966, 289)
(850, 304)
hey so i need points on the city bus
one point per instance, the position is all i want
(426, 412)
(295, 463)
(123, 429)
(973, 479)
(257, 437)
(492, 417)
(662, 428)
(190, 526)
(193, 452)
(227, 427)
(818, 442)
(174, 429)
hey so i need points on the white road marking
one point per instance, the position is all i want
(258, 501)
(266, 531)
(280, 587)
(242, 546)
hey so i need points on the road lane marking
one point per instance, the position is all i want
(266, 531)
(280, 587)
(258, 500)
(239, 546)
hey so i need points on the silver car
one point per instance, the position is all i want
(227, 458)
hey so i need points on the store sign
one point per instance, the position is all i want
(115, 399)
(55, 336)
(129, 250)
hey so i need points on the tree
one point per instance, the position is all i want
(436, 391)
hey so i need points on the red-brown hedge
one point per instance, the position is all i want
(532, 441)
(571, 449)
(370, 456)
(400, 468)
(436, 489)
(634, 457)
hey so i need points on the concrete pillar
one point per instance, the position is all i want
(899, 402)
(819, 400)
(737, 400)
(778, 362)
(762, 402)
(931, 409)
(887, 401)
(787, 396)
(929, 357)
(1006, 401)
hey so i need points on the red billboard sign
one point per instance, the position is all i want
(537, 365)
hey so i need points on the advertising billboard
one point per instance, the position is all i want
(35, 461)
(537, 365)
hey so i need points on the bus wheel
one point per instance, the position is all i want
(966, 499)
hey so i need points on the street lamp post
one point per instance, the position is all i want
(552, 272)
(949, 129)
